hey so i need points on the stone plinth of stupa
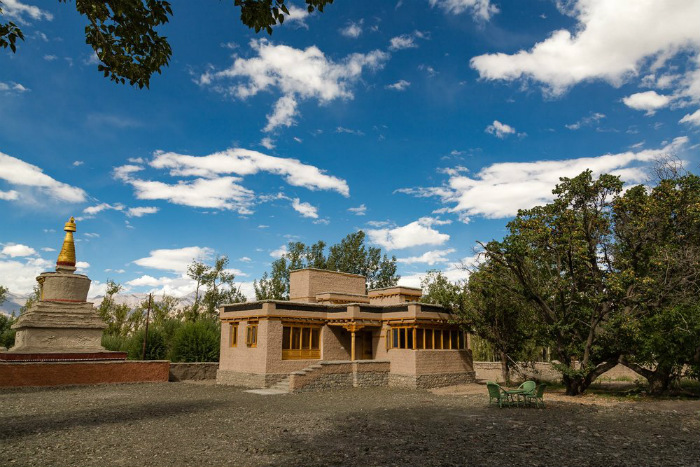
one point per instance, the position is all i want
(62, 324)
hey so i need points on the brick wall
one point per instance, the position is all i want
(305, 284)
(70, 373)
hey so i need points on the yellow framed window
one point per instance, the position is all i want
(300, 342)
(233, 335)
(251, 338)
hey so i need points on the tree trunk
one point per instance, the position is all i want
(505, 368)
(659, 379)
(578, 382)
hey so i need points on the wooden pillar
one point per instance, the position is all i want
(352, 345)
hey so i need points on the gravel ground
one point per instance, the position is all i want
(186, 424)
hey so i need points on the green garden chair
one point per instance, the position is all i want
(498, 394)
(536, 396)
(524, 391)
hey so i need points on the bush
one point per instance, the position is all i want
(197, 342)
(114, 343)
(156, 348)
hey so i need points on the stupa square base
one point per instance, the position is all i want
(67, 373)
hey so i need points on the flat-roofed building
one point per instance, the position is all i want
(331, 333)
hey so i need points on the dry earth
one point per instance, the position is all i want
(186, 424)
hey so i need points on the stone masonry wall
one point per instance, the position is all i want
(346, 374)
(193, 371)
(544, 371)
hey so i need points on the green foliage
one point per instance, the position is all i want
(439, 290)
(197, 342)
(156, 345)
(116, 316)
(219, 288)
(657, 255)
(7, 334)
(123, 33)
(9, 33)
(263, 14)
(33, 298)
(350, 255)
(3, 294)
(114, 343)
(557, 260)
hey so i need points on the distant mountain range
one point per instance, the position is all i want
(13, 302)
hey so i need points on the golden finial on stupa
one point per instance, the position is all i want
(66, 258)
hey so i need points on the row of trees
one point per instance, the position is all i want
(351, 255)
(600, 276)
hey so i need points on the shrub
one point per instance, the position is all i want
(156, 348)
(114, 343)
(197, 342)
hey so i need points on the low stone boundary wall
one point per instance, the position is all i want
(248, 380)
(72, 373)
(193, 371)
(341, 374)
(435, 380)
(544, 371)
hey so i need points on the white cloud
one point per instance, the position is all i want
(20, 276)
(14, 9)
(592, 119)
(305, 209)
(12, 88)
(360, 210)
(19, 173)
(279, 252)
(429, 257)
(649, 101)
(297, 16)
(500, 130)
(400, 85)
(141, 211)
(267, 143)
(349, 131)
(499, 190)
(17, 250)
(481, 10)
(454, 272)
(283, 113)
(416, 233)
(404, 41)
(9, 195)
(244, 259)
(77, 163)
(48, 249)
(92, 210)
(176, 259)
(692, 119)
(213, 190)
(611, 41)
(296, 73)
(352, 30)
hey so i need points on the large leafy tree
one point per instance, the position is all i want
(497, 311)
(559, 255)
(657, 253)
(351, 255)
(219, 288)
(124, 35)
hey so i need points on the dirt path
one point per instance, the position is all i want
(181, 424)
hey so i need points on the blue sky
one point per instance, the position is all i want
(426, 123)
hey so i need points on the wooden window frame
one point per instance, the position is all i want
(296, 350)
(251, 338)
(233, 335)
(431, 338)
